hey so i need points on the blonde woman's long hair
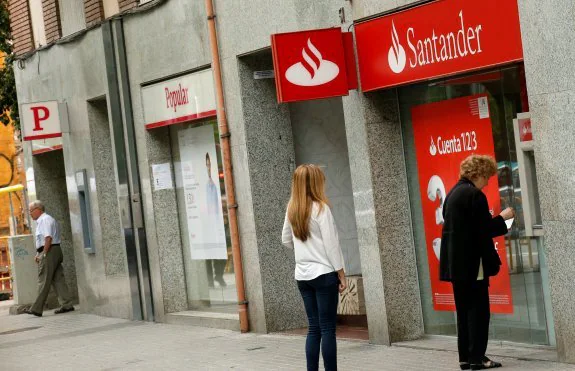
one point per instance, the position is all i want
(307, 187)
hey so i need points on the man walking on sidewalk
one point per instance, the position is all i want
(49, 257)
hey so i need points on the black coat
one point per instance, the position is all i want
(468, 233)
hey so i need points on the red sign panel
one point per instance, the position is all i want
(348, 49)
(441, 38)
(525, 132)
(445, 134)
(40, 120)
(309, 65)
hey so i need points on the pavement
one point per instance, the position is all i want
(76, 341)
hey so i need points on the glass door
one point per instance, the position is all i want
(525, 255)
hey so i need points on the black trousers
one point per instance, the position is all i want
(218, 268)
(472, 305)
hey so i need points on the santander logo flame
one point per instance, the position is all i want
(432, 148)
(313, 70)
(396, 56)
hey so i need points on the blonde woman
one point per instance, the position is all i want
(310, 229)
(468, 257)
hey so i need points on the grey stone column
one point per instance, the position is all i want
(548, 30)
(383, 217)
(263, 158)
(168, 246)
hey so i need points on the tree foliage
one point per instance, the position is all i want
(8, 99)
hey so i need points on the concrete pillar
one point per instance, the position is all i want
(263, 159)
(167, 249)
(381, 201)
(548, 30)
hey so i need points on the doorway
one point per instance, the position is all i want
(50, 187)
(320, 138)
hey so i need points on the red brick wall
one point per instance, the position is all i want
(127, 4)
(21, 26)
(94, 11)
(51, 20)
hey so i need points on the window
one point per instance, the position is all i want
(111, 7)
(37, 20)
(529, 322)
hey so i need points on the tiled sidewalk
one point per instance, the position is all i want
(86, 342)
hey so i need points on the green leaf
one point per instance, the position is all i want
(8, 97)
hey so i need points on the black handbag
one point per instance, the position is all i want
(491, 262)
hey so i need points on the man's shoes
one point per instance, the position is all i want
(28, 311)
(64, 310)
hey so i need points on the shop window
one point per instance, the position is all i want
(527, 320)
(203, 217)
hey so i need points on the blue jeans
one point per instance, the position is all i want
(320, 298)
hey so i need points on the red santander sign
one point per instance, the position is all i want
(441, 38)
(41, 120)
(525, 131)
(311, 64)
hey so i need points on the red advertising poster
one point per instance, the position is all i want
(445, 134)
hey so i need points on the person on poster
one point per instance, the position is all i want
(309, 228)
(469, 257)
(213, 205)
(211, 192)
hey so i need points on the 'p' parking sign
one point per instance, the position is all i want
(41, 120)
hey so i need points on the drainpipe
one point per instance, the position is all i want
(228, 175)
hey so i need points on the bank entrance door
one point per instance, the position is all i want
(528, 318)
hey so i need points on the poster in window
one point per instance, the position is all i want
(445, 133)
(202, 194)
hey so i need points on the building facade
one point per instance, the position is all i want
(140, 164)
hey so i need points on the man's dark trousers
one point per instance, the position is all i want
(51, 273)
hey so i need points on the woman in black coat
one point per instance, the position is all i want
(468, 257)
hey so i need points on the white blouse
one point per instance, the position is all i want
(321, 252)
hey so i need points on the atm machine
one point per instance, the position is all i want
(524, 143)
(532, 231)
